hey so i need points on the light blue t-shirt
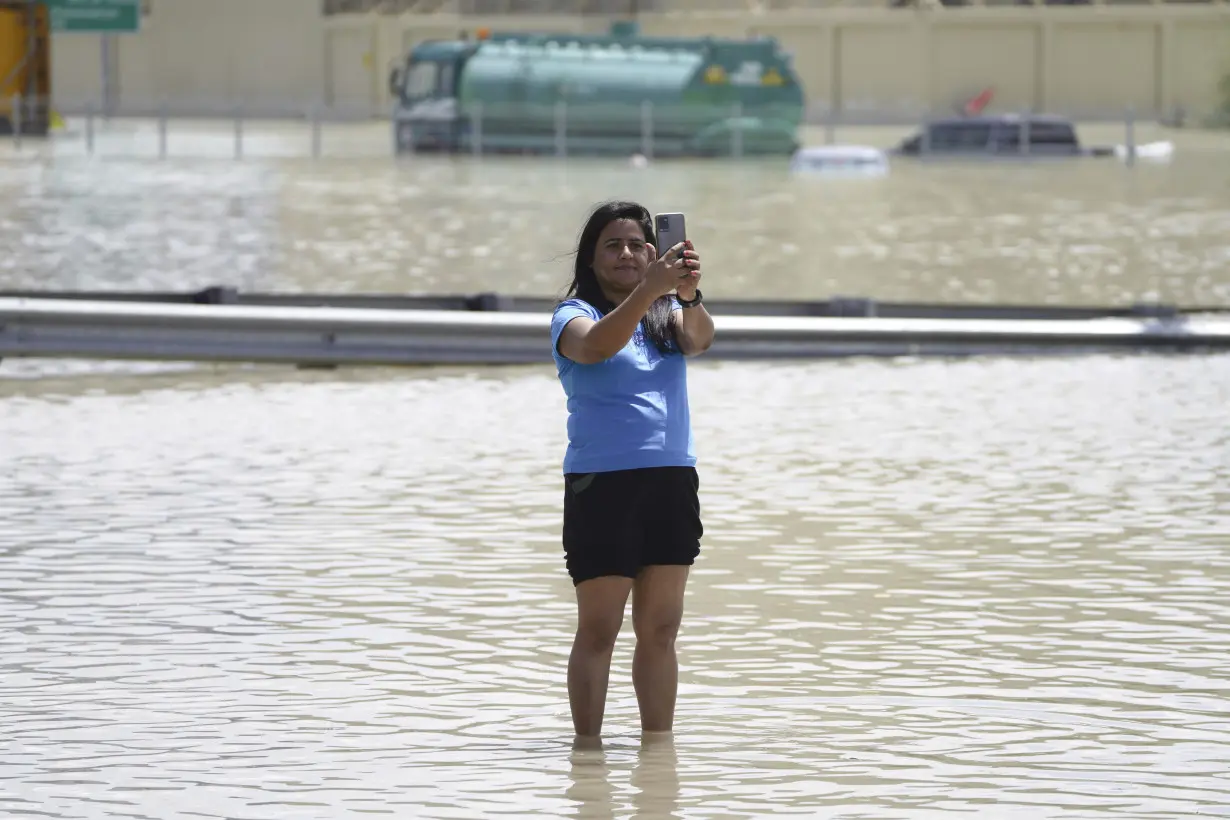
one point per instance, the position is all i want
(627, 412)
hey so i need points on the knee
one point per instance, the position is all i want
(598, 635)
(658, 632)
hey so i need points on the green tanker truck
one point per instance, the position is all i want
(616, 94)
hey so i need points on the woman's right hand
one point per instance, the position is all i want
(666, 273)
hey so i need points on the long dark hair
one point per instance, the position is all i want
(657, 320)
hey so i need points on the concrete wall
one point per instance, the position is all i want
(201, 57)
(1087, 62)
(283, 56)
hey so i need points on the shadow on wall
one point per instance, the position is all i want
(1221, 117)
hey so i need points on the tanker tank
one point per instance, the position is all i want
(616, 94)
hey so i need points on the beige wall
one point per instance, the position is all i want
(1079, 61)
(282, 56)
(202, 56)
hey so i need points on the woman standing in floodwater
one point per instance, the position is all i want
(631, 512)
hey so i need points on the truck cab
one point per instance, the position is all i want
(426, 112)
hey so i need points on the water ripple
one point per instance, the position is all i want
(927, 587)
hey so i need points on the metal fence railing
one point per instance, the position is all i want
(638, 131)
(611, 7)
(635, 7)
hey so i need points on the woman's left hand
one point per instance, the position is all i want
(689, 279)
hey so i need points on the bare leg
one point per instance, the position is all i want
(657, 609)
(600, 614)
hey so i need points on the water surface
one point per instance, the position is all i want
(1054, 232)
(993, 587)
(927, 588)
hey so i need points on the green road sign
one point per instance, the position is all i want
(105, 16)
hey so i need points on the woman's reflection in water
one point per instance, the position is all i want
(654, 780)
(591, 781)
(655, 777)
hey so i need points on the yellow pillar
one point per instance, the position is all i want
(12, 48)
(25, 66)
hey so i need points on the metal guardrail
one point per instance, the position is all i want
(508, 303)
(70, 328)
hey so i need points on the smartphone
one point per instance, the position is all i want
(671, 230)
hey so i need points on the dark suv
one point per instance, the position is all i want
(997, 135)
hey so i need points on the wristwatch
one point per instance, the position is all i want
(693, 302)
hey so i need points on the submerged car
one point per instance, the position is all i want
(1001, 135)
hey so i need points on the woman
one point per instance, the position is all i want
(631, 514)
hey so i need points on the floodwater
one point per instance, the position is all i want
(992, 587)
(1062, 232)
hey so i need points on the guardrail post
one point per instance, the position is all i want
(561, 128)
(162, 130)
(16, 119)
(1129, 137)
(314, 116)
(647, 129)
(476, 129)
(239, 131)
(736, 131)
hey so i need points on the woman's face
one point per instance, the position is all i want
(621, 256)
